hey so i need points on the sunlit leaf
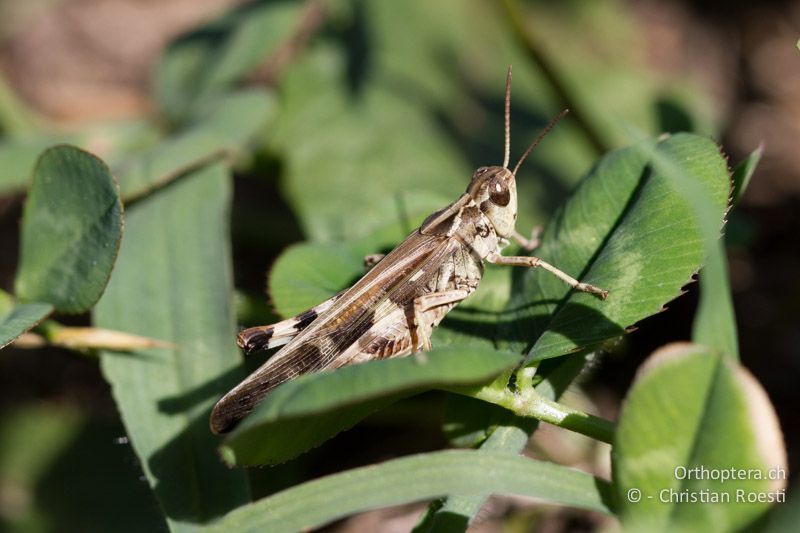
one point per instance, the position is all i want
(211, 59)
(71, 230)
(692, 412)
(416, 478)
(220, 131)
(173, 283)
(627, 229)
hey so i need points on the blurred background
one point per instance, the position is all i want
(391, 81)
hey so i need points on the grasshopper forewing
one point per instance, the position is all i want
(392, 310)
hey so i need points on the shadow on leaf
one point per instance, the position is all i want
(515, 326)
(180, 503)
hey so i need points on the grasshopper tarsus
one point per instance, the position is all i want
(595, 291)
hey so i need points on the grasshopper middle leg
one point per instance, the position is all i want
(428, 302)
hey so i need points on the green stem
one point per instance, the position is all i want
(550, 72)
(509, 437)
(530, 404)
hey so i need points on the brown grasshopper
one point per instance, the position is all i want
(392, 310)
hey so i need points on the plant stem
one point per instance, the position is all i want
(508, 437)
(529, 403)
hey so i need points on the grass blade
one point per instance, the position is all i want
(174, 283)
(416, 478)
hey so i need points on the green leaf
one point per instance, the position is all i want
(416, 478)
(509, 437)
(392, 114)
(16, 319)
(715, 321)
(468, 422)
(209, 60)
(690, 415)
(173, 283)
(349, 156)
(298, 283)
(222, 130)
(627, 229)
(743, 172)
(310, 409)
(111, 141)
(71, 229)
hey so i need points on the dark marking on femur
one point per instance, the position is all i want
(303, 320)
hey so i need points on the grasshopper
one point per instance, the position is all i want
(392, 310)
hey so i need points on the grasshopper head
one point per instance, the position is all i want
(494, 190)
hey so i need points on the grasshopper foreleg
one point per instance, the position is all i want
(528, 244)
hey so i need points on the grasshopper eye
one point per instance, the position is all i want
(498, 193)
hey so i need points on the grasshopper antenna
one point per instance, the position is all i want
(538, 139)
(507, 152)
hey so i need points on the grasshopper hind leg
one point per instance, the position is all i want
(260, 338)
